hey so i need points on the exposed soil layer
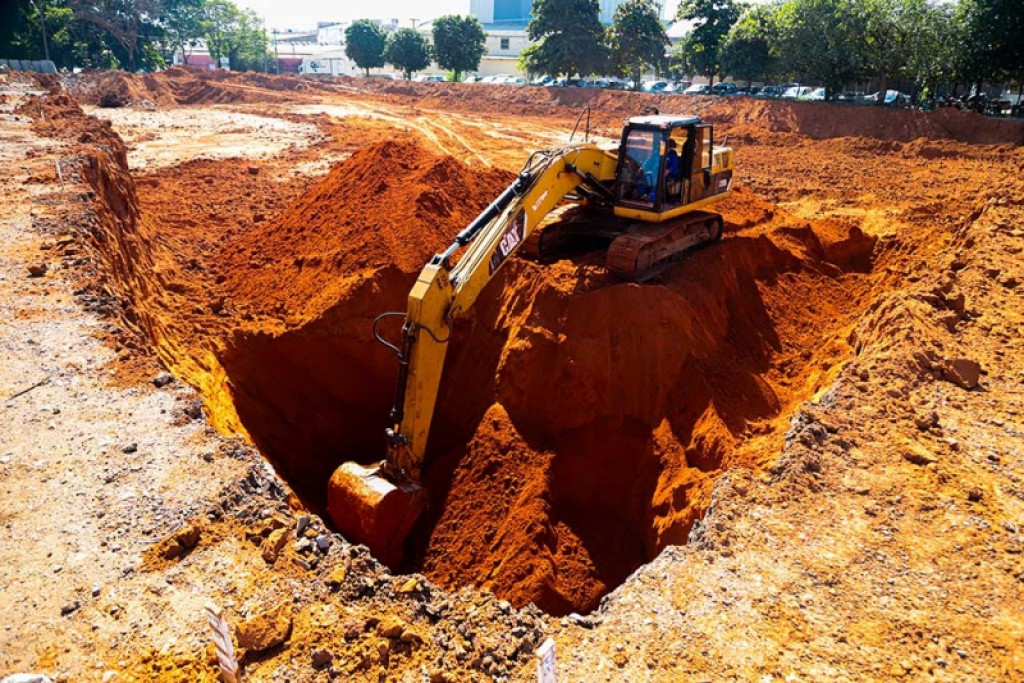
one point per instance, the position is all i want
(582, 421)
(849, 420)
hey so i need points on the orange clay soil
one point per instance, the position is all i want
(582, 421)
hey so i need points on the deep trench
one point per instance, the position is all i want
(594, 381)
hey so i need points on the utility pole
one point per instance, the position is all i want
(42, 25)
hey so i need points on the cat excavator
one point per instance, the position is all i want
(644, 198)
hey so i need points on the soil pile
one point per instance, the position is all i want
(812, 119)
(581, 422)
(390, 205)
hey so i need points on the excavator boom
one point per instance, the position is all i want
(378, 505)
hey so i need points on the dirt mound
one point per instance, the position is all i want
(120, 89)
(182, 85)
(390, 205)
(581, 422)
(812, 119)
(57, 115)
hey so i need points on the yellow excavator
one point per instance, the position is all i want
(644, 197)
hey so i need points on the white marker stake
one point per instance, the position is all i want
(546, 662)
(222, 642)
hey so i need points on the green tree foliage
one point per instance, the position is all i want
(407, 50)
(570, 38)
(822, 41)
(993, 44)
(182, 24)
(637, 39)
(746, 52)
(459, 43)
(364, 44)
(235, 34)
(130, 23)
(897, 33)
(713, 20)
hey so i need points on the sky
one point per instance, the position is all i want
(303, 14)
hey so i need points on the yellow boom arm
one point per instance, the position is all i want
(443, 292)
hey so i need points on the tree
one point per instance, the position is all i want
(182, 24)
(364, 44)
(569, 38)
(746, 53)
(993, 45)
(637, 39)
(459, 43)
(712, 21)
(407, 50)
(126, 21)
(821, 41)
(896, 33)
(235, 34)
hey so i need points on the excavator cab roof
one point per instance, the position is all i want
(663, 121)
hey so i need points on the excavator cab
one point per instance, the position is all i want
(666, 164)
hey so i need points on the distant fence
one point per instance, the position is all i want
(43, 66)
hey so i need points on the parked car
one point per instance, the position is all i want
(774, 92)
(654, 86)
(428, 78)
(797, 92)
(542, 80)
(676, 87)
(698, 89)
(724, 89)
(816, 95)
(893, 98)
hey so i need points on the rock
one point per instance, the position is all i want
(113, 100)
(162, 380)
(322, 658)
(926, 421)
(273, 545)
(70, 608)
(323, 543)
(37, 270)
(975, 495)
(266, 629)
(254, 170)
(963, 372)
(337, 575)
(301, 525)
(914, 452)
(185, 538)
(26, 678)
(130, 448)
(391, 627)
(410, 636)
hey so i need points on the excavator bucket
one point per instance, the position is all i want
(367, 508)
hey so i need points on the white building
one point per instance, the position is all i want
(505, 25)
(518, 11)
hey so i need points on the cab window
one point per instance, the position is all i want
(639, 167)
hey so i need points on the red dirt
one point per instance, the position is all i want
(390, 205)
(557, 390)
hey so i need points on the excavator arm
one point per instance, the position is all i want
(379, 505)
(443, 293)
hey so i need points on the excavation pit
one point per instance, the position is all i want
(582, 422)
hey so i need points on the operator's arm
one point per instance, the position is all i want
(442, 293)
